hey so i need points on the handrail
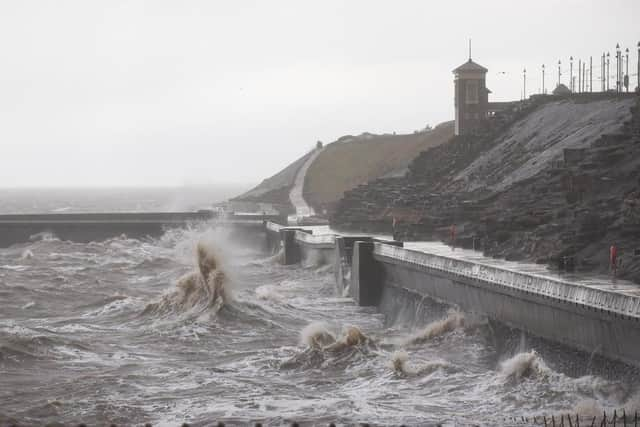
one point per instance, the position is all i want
(601, 299)
(323, 239)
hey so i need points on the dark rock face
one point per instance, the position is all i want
(566, 215)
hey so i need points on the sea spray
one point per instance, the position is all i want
(323, 349)
(206, 288)
(399, 363)
(454, 320)
(523, 365)
(351, 336)
(317, 335)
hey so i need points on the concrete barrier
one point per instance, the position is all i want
(87, 227)
(385, 275)
(588, 318)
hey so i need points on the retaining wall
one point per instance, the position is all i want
(591, 319)
(601, 320)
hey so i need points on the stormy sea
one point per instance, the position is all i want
(196, 327)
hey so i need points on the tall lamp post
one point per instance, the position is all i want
(602, 71)
(618, 67)
(626, 74)
(591, 74)
(579, 75)
(560, 73)
(608, 76)
(524, 84)
(638, 69)
(543, 79)
(571, 73)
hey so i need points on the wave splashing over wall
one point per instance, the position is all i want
(206, 288)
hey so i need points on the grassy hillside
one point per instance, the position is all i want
(352, 161)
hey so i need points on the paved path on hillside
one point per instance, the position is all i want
(295, 196)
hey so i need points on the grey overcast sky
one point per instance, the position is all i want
(154, 93)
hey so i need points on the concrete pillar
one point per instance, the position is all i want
(339, 264)
(366, 275)
(291, 251)
(343, 258)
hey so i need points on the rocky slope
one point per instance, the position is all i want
(558, 183)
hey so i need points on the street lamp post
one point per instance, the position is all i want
(608, 76)
(560, 73)
(591, 74)
(524, 82)
(579, 75)
(638, 69)
(618, 67)
(602, 71)
(543, 79)
(571, 73)
(626, 74)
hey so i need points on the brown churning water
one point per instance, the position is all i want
(133, 331)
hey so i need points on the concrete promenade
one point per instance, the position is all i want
(593, 314)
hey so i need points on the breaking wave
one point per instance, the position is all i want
(317, 335)
(524, 365)
(324, 348)
(206, 288)
(454, 320)
(399, 363)
(26, 254)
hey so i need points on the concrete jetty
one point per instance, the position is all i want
(596, 316)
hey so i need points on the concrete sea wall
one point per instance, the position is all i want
(87, 227)
(602, 320)
(596, 320)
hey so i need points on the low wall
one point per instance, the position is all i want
(87, 227)
(299, 245)
(590, 319)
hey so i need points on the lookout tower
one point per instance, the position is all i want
(471, 97)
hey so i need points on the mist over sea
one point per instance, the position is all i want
(132, 331)
(76, 200)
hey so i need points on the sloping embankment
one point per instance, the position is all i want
(351, 161)
(345, 164)
(275, 189)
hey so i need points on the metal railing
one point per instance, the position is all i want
(311, 239)
(600, 299)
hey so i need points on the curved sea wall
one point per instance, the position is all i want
(595, 319)
(592, 319)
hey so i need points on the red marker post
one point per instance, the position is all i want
(613, 258)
